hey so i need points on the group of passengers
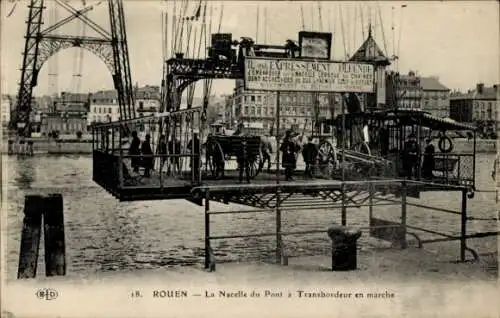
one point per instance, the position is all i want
(141, 154)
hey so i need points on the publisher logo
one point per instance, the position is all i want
(47, 294)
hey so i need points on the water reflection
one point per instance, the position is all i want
(27, 174)
(103, 234)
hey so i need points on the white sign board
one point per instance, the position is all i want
(273, 74)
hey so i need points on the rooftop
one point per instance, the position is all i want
(488, 93)
(369, 51)
(432, 84)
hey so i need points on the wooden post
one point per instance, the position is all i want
(30, 237)
(278, 197)
(463, 227)
(207, 230)
(371, 193)
(343, 208)
(55, 249)
(404, 190)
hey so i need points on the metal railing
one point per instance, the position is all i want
(394, 231)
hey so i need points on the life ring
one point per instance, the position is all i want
(442, 142)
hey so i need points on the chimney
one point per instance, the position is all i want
(495, 88)
(480, 88)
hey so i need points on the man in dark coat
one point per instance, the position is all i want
(289, 160)
(428, 162)
(309, 153)
(174, 149)
(411, 155)
(267, 150)
(243, 158)
(147, 155)
(194, 148)
(162, 150)
(134, 150)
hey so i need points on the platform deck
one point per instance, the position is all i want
(164, 186)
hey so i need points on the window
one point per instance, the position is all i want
(259, 111)
(246, 99)
(259, 98)
(141, 105)
(253, 111)
(252, 98)
(246, 110)
(109, 110)
(265, 111)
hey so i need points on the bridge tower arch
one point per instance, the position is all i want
(41, 43)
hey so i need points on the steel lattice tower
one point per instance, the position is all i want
(41, 44)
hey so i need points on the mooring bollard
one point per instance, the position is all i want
(48, 209)
(344, 247)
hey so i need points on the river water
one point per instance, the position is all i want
(103, 234)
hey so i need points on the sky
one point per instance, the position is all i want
(457, 41)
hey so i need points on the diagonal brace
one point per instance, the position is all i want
(85, 19)
(67, 20)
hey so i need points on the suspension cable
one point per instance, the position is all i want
(362, 20)
(183, 23)
(173, 28)
(355, 25)
(343, 31)
(320, 18)
(399, 36)
(257, 27)
(312, 15)
(265, 24)
(330, 14)
(302, 16)
(382, 27)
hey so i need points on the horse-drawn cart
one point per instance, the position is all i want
(221, 148)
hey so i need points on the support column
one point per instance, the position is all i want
(207, 230)
(463, 227)
(404, 190)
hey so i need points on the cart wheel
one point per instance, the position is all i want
(213, 154)
(327, 154)
(362, 147)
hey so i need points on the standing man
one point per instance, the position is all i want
(289, 159)
(309, 153)
(243, 160)
(411, 154)
(147, 159)
(267, 150)
(135, 151)
(194, 148)
(428, 162)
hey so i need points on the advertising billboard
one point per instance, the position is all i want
(299, 75)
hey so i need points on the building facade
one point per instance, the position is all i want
(403, 91)
(103, 107)
(435, 97)
(147, 100)
(479, 107)
(5, 110)
(256, 111)
(66, 118)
